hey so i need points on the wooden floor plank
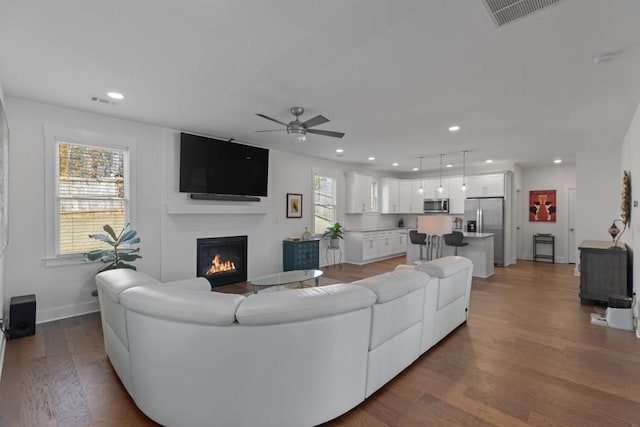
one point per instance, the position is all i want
(528, 356)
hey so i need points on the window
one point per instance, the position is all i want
(324, 202)
(91, 191)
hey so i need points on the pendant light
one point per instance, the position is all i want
(464, 184)
(440, 189)
(421, 189)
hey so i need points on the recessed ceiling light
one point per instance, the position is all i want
(448, 165)
(557, 161)
(115, 95)
(455, 128)
(416, 169)
(488, 161)
(372, 158)
(394, 164)
(339, 150)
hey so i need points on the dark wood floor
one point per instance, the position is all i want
(527, 356)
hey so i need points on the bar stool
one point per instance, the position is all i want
(455, 239)
(418, 239)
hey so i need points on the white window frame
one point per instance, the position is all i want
(54, 135)
(335, 175)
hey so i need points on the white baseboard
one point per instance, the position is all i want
(51, 314)
(3, 345)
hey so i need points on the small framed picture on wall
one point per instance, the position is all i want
(542, 206)
(294, 205)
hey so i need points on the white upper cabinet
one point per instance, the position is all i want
(417, 198)
(390, 195)
(485, 185)
(404, 202)
(456, 195)
(358, 193)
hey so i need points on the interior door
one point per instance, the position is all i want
(571, 210)
(519, 217)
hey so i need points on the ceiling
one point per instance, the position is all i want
(392, 75)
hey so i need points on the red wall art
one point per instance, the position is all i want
(542, 205)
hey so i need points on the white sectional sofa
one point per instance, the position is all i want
(192, 357)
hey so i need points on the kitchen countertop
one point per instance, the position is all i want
(364, 230)
(477, 235)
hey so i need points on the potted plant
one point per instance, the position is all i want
(116, 256)
(335, 233)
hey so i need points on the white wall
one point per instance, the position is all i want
(630, 161)
(168, 239)
(556, 177)
(66, 290)
(288, 173)
(2, 279)
(597, 194)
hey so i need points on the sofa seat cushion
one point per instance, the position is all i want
(114, 282)
(303, 304)
(394, 284)
(445, 267)
(172, 302)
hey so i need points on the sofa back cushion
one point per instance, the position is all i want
(394, 284)
(296, 305)
(454, 275)
(114, 282)
(182, 304)
(445, 266)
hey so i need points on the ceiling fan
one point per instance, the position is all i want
(302, 128)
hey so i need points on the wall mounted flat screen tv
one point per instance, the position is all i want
(214, 166)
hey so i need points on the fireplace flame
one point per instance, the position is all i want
(218, 266)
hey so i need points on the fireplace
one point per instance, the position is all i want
(222, 260)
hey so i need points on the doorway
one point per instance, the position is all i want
(571, 235)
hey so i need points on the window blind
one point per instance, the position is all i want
(91, 191)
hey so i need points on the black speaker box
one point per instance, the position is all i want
(22, 316)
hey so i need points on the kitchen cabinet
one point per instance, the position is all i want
(485, 185)
(368, 246)
(404, 196)
(417, 198)
(358, 193)
(389, 195)
(456, 195)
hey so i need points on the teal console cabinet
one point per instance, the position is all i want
(300, 255)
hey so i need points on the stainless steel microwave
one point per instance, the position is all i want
(436, 205)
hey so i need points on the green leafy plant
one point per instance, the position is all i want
(336, 231)
(116, 256)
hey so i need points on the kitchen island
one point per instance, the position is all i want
(479, 251)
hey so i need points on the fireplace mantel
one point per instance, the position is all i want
(215, 208)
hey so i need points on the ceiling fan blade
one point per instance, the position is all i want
(269, 118)
(317, 120)
(271, 130)
(326, 133)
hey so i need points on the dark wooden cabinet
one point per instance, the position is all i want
(604, 270)
(300, 254)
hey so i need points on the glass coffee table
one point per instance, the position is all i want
(286, 278)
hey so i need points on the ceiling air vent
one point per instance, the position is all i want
(506, 11)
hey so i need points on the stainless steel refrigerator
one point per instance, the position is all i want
(488, 214)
